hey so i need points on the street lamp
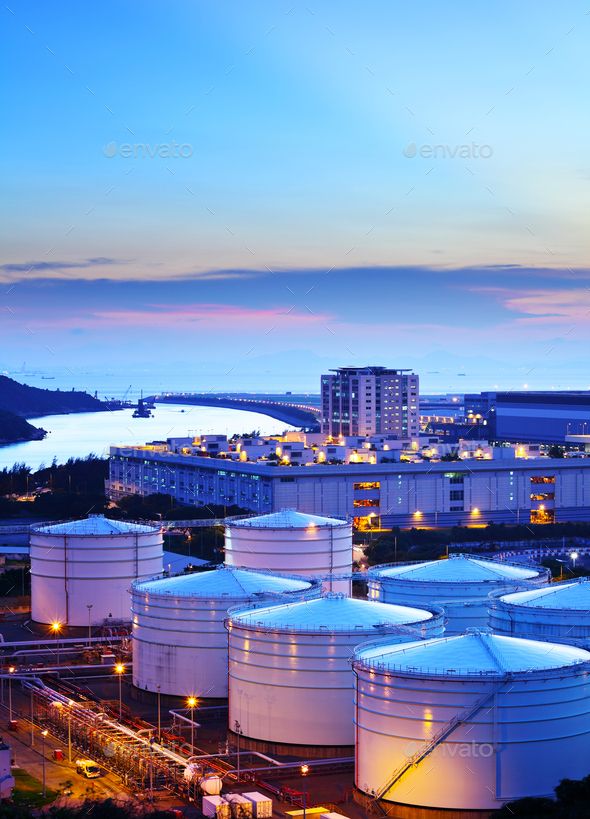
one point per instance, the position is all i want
(120, 670)
(56, 629)
(70, 704)
(11, 671)
(89, 607)
(574, 556)
(43, 735)
(191, 703)
(304, 770)
(238, 730)
(159, 689)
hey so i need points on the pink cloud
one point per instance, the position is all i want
(172, 316)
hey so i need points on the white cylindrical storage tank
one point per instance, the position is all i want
(559, 613)
(461, 584)
(470, 722)
(179, 636)
(81, 570)
(292, 542)
(290, 679)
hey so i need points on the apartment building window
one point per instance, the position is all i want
(543, 479)
(365, 502)
(365, 485)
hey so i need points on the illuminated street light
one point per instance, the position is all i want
(191, 703)
(304, 770)
(11, 671)
(119, 671)
(56, 628)
(574, 556)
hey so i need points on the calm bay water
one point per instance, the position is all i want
(78, 435)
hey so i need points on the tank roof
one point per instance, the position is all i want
(96, 525)
(331, 612)
(476, 652)
(286, 519)
(223, 581)
(458, 568)
(569, 595)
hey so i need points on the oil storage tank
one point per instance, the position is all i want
(292, 542)
(461, 584)
(179, 637)
(559, 613)
(468, 722)
(81, 570)
(290, 679)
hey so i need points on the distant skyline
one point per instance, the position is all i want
(247, 194)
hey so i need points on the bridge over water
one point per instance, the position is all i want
(294, 412)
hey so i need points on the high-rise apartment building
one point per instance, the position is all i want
(370, 401)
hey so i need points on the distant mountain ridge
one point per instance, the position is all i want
(32, 402)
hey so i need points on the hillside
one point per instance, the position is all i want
(31, 402)
(13, 429)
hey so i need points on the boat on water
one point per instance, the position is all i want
(142, 411)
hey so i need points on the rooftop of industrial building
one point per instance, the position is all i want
(476, 652)
(458, 568)
(332, 612)
(287, 519)
(569, 595)
(96, 525)
(223, 581)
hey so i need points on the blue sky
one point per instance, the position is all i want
(386, 183)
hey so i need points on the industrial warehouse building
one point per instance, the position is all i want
(517, 490)
(539, 417)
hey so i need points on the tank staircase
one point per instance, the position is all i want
(414, 760)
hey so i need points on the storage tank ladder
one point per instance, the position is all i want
(414, 760)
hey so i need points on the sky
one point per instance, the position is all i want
(244, 195)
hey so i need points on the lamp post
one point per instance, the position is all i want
(119, 671)
(43, 735)
(159, 689)
(191, 703)
(11, 671)
(574, 556)
(89, 607)
(304, 770)
(32, 718)
(56, 629)
(70, 704)
(238, 730)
